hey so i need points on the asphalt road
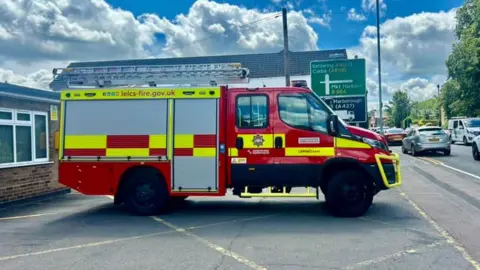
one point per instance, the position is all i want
(431, 222)
(460, 158)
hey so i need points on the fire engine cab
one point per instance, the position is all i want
(153, 146)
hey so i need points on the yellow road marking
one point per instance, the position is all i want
(393, 255)
(431, 160)
(443, 233)
(27, 216)
(211, 245)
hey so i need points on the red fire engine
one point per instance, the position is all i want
(150, 147)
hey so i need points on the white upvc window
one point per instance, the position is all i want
(23, 137)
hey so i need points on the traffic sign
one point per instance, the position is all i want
(351, 109)
(344, 77)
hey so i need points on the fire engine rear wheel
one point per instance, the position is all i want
(146, 192)
(349, 194)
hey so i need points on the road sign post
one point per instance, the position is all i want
(342, 83)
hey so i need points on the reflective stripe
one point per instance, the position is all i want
(233, 152)
(62, 127)
(204, 152)
(115, 145)
(147, 93)
(309, 151)
(346, 143)
(183, 141)
(85, 141)
(158, 141)
(128, 141)
(128, 152)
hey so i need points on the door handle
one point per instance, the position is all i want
(278, 142)
(239, 143)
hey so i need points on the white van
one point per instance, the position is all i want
(463, 129)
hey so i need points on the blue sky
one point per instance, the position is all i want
(342, 33)
(416, 35)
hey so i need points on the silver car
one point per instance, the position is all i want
(426, 139)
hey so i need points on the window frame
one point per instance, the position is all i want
(306, 99)
(250, 96)
(14, 122)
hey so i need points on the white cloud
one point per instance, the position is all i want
(245, 31)
(420, 89)
(354, 16)
(36, 36)
(39, 79)
(309, 11)
(371, 6)
(413, 48)
(324, 20)
(39, 32)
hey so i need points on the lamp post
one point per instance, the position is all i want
(380, 105)
(439, 107)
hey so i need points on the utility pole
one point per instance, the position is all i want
(439, 107)
(379, 69)
(285, 47)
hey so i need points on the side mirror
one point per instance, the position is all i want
(332, 126)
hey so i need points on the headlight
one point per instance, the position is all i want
(375, 144)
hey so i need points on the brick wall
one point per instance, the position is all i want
(28, 181)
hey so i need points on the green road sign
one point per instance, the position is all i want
(345, 77)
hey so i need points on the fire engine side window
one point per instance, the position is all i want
(302, 112)
(252, 111)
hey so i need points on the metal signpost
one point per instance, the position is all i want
(342, 84)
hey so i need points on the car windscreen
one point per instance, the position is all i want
(431, 131)
(395, 131)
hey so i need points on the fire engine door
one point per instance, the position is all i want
(195, 141)
(302, 120)
(250, 139)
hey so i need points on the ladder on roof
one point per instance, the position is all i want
(148, 75)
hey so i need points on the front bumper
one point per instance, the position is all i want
(386, 175)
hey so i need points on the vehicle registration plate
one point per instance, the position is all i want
(434, 139)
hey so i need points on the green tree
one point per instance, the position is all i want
(401, 107)
(452, 104)
(463, 64)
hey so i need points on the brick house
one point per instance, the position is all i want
(28, 158)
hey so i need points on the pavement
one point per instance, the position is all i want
(431, 222)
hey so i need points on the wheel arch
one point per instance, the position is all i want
(335, 165)
(120, 191)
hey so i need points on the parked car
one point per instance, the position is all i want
(476, 148)
(394, 135)
(426, 139)
(463, 129)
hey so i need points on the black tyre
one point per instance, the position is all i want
(447, 152)
(475, 151)
(349, 194)
(404, 150)
(465, 142)
(414, 153)
(145, 192)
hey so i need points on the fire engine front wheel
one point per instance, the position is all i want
(349, 194)
(146, 192)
